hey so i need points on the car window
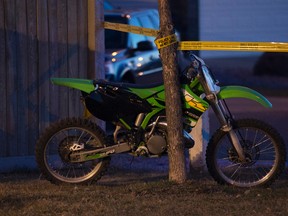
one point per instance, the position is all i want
(134, 39)
(115, 39)
(146, 22)
(154, 16)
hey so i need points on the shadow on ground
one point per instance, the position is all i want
(123, 171)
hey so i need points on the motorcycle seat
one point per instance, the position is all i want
(127, 85)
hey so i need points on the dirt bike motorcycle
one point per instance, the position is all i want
(243, 153)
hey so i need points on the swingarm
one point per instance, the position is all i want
(82, 156)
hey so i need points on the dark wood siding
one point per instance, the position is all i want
(39, 39)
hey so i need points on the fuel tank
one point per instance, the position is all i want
(110, 102)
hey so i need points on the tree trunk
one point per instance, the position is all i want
(168, 55)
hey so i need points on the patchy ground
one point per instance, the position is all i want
(128, 191)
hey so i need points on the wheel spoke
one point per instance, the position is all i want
(60, 145)
(263, 160)
(266, 150)
(261, 142)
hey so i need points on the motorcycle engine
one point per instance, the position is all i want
(156, 144)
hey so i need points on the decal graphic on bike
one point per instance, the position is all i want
(193, 102)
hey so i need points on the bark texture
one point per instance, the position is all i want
(168, 55)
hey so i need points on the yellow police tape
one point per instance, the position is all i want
(166, 41)
(234, 46)
(132, 29)
(200, 45)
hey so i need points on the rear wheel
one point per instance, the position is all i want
(264, 152)
(60, 139)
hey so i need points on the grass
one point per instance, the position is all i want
(123, 192)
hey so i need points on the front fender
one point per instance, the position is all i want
(84, 85)
(243, 92)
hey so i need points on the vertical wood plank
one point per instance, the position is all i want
(11, 69)
(91, 38)
(99, 40)
(96, 43)
(33, 83)
(53, 59)
(43, 55)
(73, 46)
(62, 52)
(21, 77)
(82, 39)
(82, 43)
(96, 39)
(3, 80)
(38, 39)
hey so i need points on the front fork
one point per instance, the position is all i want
(226, 126)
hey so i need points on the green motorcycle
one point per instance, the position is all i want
(244, 153)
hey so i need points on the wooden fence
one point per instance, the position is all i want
(39, 39)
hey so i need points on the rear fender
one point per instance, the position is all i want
(243, 92)
(83, 85)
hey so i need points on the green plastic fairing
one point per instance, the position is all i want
(147, 92)
(243, 92)
(81, 84)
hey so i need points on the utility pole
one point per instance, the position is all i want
(168, 55)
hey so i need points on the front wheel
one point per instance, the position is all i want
(59, 140)
(264, 151)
